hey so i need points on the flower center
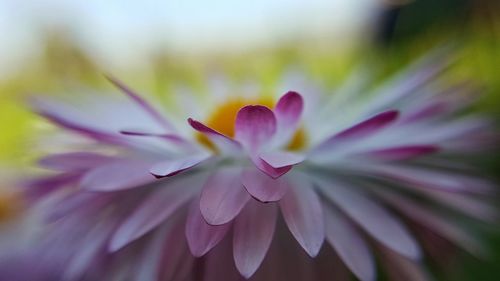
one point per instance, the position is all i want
(223, 119)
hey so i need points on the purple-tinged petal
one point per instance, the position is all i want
(370, 216)
(280, 159)
(173, 167)
(349, 244)
(155, 209)
(368, 126)
(142, 103)
(433, 222)
(432, 179)
(401, 268)
(200, 235)
(270, 170)
(63, 117)
(262, 187)
(173, 138)
(400, 153)
(288, 111)
(255, 125)
(223, 196)
(117, 175)
(38, 188)
(365, 128)
(177, 261)
(223, 143)
(74, 161)
(301, 209)
(253, 233)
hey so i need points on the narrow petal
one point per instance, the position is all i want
(370, 216)
(253, 233)
(255, 125)
(262, 187)
(142, 103)
(288, 111)
(223, 196)
(363, 129)
(155, 209)
(200, 235)
(117, 176)
(177, 260)
(302, 212)
(172, 167)
(401, 152)
(223, 142)
(349, 244)
(280, 159)
(74, 161)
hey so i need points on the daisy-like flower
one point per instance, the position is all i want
(300, 187)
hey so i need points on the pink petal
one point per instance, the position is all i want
(223, 143)
(280, 159)
(262, 187)
(155, 209)
(374, 219)
(288, 111)
(364, 128)
(142, 103)
(74, 161)
(64, 117)
(253, 233)
(117, 176)
(177, 261)
(223, 196)
(172, 167)
(200, 235)
(255, 125)
(401, 153)
(301, 209)
(270, 170)
(349, 244)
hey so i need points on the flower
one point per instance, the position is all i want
(291, 190)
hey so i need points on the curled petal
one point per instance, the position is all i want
(281, 159)
(255, 126)
(175, 166)
(223, 142)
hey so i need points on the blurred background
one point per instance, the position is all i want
(54, 46)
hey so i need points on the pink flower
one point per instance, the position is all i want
(285, 194)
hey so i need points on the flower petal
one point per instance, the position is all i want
(223, 196)
(117, 175)
(262, 187)
(370, 216)
(155, 209)
(253, 233)
(400, 153)
(270, 170)
(349, 244)
(223, 143)
(288, 111)
(200, 235)
(362, 129)
(255, 125)
(148, 108)
(301, 209)
(280, 159)
(172, 167)
(74, 161)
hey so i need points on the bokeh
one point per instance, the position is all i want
(57, 47)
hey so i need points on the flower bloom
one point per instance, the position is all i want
(301, 188)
